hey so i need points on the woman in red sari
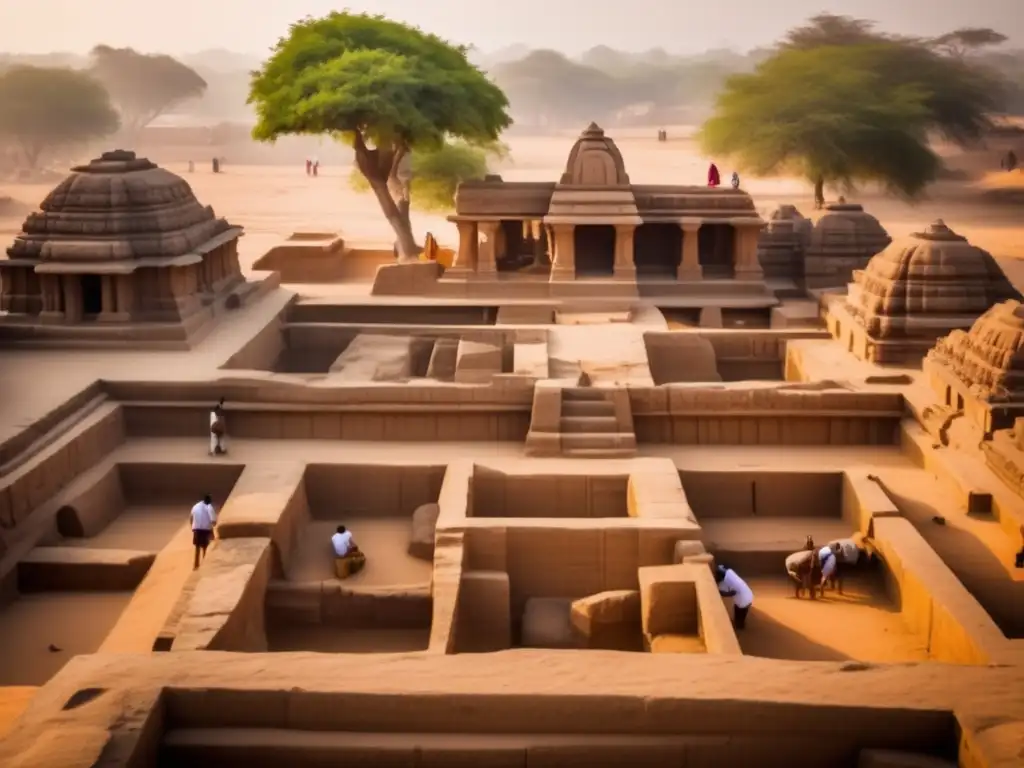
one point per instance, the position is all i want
(713, 178)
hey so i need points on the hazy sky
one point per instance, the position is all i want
(251, 26)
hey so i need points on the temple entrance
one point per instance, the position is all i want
(595, 250)
(715, 245)
(512, 251)
(92, 294)
(657, 250)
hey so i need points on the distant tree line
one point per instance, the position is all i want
(44, 108)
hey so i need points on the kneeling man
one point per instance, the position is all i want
(349, 559)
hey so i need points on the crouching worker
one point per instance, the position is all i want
(348, 560)
(805, 568)
(731, 585)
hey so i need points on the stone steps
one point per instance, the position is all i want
(604, 441)
(589, 424)
(571, 408)
(576, 394)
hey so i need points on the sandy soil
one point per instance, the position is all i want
(13, 701)
(74, 622)
(324, 639)
(273, 201)
(860, 624)
(146, 529)
(384, 540)
(976, 549)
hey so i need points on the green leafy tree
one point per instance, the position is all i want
(436, 174)
(827, 29)
(385, 88)
(966, 40)
(44, 108)
(144, 86)
(829, 114)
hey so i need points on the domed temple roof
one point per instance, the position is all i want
(935, 273)
(846, 228)
(118, 207)
(595, 160)
(989, 359)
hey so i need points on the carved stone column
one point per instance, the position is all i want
(125, 296)
(486, 264)
(689, 262)
(108, 306)
(466, 256)
(72, 290)
(745, 262)
(625, 266)
(563, 257)
(53, 311)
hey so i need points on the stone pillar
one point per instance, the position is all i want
(745, 263)
(466, 257)
(51, 290)
(72, 290)
(563, 255)
(108, 307)
(486, 264)
(689, 262)
(625, 266)
(125, 296)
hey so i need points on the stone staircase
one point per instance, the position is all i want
(584, 423)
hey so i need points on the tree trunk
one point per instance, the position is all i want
(819, 193)
(379, 169)
(408, 251)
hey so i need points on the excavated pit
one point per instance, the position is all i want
(751, 521)
(67, 594)
(496, 494)
(693, 356)
(386, 607)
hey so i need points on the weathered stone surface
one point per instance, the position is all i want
(925, 284)
(989, 358)
(781, 244)
(546, 623)
(117, 207)
(844, 239)
(424, 525)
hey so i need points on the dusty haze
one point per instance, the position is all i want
(568, 25)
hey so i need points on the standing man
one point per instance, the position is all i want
(217, 429)
(731, 585)
(204, 520)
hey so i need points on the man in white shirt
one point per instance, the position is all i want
(217, 429)
(731, 585)
(204, 520)
(343, 543)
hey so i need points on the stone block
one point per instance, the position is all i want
(687, 549)
(485, 612)
(424, 526)
(546, 623)
(609, 620)
(668, 600)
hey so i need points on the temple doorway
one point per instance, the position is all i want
(92, 294)
(513, 253)
(657, 249)
(595, 250)
(715, 250)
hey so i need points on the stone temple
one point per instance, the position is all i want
(544, 451)
(120, 251)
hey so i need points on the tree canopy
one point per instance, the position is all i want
(436, 174)
(829, 114)
(144, 86)
(840, 102)
(42, 108)
(382, 86)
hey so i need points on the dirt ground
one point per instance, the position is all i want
(861, 624)
(74, 623)
(274, 201)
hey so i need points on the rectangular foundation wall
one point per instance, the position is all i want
(766, 430)
(361, 423)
